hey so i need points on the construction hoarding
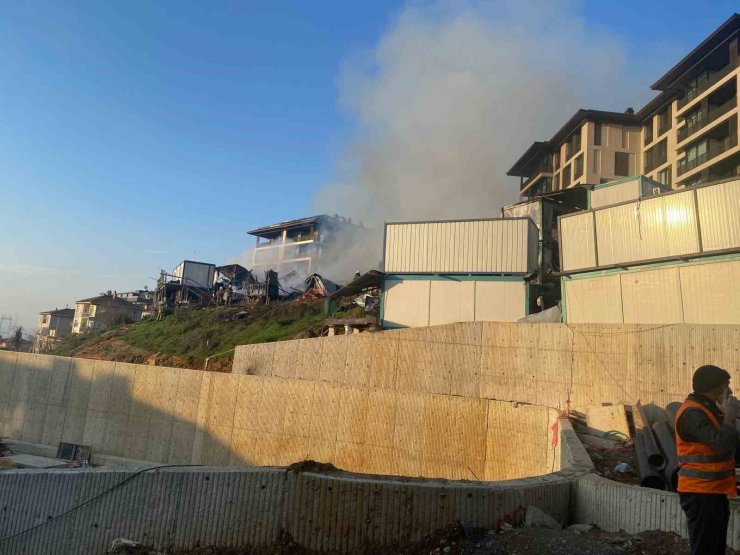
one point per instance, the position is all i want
(671, 226)
(422, 300)
(500, 246)
(702, 291)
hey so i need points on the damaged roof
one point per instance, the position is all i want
(63, 312)
(369, 280)
(109, 299)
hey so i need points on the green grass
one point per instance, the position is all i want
(193, 335)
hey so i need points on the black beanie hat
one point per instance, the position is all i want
(708, 377)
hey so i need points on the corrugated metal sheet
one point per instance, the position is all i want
(719, 214)
(597, 299)
(429, 302)
(614, 194)
(478, 246)
(659, 227)
(577, 241)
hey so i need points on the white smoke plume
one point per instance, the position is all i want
(453, 94)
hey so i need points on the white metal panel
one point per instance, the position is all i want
(451, 301)
(660, 227)
(406, 303)
(719, 215)
(500, 301)
(477, 246)
(596, 299)
(711, 294)
(197, 274)
(577, 241)
(614, 194)
(652, 297)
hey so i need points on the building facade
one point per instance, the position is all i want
(101, 312)
(687, 135)
(54, 325)
(302, 244)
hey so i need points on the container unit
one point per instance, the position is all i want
(682, 224)
(624, 190)
(674, 258)
(457, 271)
(695, 291)
(195, 274)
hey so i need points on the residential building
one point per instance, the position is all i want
(54, 325)
(299, 245)
(103, 311)
(142, 298)
(687, 135)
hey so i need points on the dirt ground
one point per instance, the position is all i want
(457, 540)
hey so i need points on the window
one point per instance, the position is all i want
(566, 176)
(621, 163)
(556, 182)
(664, 176)
(597, 134)
(664, 120)
(698, 84)
(656, 156)
(555, 161)
(648, 131)
(603, 180)
(694, 151)
(597, 161)
(578, 167)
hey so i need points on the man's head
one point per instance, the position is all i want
(712, 381)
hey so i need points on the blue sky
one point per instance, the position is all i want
(135, 134)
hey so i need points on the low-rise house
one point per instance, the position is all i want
(54, 325)
(102, 312)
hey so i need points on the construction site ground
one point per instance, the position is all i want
(186, 337)
(456, 540)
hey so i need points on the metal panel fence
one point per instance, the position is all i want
(677, 225)
(506, 246)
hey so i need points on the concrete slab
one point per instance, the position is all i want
(33, 461)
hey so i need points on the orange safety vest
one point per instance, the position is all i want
(703, 469)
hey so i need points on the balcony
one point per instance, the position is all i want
(726, 144)
(690, 128)
(532, 180)
(713, 80)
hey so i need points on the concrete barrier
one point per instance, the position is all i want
(174, 508)
(181, 416)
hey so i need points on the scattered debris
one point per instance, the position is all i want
(312, 466)
(122, 545)
(622, 467)
(537, 518)
(579, 528)
(21, 460)
(74, 452)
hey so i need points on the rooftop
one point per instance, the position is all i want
(109, 299)
(270, 229)
(63, 312)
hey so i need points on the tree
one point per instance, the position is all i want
(18, 338)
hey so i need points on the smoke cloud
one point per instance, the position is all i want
(453, 94)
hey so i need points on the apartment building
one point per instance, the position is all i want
(54, 325)
(300, 244)
(687, 135)
(101, 312)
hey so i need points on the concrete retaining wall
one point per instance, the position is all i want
(180, 508)
(613, 507)
(177, 416)
(544, 364)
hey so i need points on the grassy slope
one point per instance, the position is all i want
(187, 337)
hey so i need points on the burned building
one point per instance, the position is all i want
(301, 245)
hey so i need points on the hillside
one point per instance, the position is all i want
(187, 337)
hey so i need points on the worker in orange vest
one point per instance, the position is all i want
(706, 439)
